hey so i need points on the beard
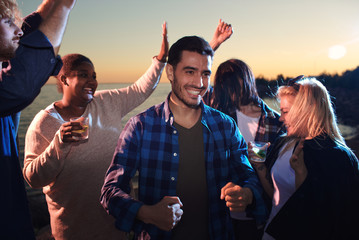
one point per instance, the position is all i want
(190, 105)
(6, 55)
(7, 51)
(178, 91)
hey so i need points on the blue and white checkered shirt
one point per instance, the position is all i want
(149, 144)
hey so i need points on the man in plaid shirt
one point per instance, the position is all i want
(191, 159)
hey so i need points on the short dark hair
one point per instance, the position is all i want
(188, 43)
(228, 93)
(70, 63)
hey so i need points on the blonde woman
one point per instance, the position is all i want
(311, 175)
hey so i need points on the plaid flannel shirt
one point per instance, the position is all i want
(269, 126)
(149, 144)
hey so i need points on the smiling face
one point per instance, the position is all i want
(10, 35)
(286, 103)
(82, 84)
(190, 79)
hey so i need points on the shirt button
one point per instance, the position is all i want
(172, 178)
(175, 154)
(52, 60)
(174, 132)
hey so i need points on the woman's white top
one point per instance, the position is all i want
(283, 178)
(248, 126)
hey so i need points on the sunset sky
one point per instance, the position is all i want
(288, 37)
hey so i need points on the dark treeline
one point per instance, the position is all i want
(344, 89)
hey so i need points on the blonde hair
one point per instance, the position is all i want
(9, 9)
(312, 113)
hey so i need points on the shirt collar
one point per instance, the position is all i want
(168, 115)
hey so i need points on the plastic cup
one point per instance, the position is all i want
(85, 128)
(260, 151)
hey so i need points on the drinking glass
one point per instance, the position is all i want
(84, 121)
(260, 151)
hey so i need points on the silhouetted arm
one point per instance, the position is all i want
(221, 34)
(55, 14)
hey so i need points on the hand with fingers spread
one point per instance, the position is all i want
(298, 165)
(162, 56)
(222, 33)
(237, 198)
(164, 215)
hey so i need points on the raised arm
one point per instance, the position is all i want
(162, 56)
(128, 98)
(55, 14)
(221, 34)
(45, 8)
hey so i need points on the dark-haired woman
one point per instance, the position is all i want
(235, 93)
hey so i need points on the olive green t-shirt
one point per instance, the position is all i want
(192, 184)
